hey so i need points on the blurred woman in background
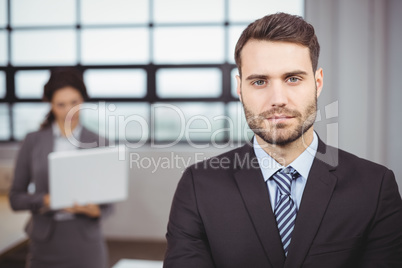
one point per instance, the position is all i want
(70, 237)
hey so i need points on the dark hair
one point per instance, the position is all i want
(60, 78)
(280, 27)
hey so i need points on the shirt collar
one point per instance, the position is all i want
(57, 132)
(302, 164)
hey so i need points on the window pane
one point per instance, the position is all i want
(44, 47)
(233, 74)
(3, 48)
(239, 130)
(116, 83)
(117, 121)
(189, 44)
(188, 11)
(115, 46)
(250, 10)
(2, 84)
(234, 35)
(27, 117)
(3, 13)
(171, 83)
(29, 84)
(43, 12)
(114, 11)
(188, 122)
(4, 122)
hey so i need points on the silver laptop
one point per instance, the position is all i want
(98, 175)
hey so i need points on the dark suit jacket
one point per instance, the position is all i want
(350, 215)
(32, 166)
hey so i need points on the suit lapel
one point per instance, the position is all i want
(316, 196)
(255, 195)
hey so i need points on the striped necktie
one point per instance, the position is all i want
(285, 208)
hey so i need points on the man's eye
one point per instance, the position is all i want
(259, 83)
(293, 79)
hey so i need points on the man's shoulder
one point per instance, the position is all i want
(349, 163)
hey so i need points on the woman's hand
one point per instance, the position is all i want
(91, 210)
(46, 204)
(46, 201)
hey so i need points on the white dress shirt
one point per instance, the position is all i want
(61, 144)
(302, 164)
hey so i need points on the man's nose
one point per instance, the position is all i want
(279, 95)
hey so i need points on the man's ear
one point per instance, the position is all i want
(238, 80)
(319, 81)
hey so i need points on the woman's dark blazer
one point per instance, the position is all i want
(32, 166)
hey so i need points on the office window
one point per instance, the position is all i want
(234, 34)
(3, 13)
(3, 48)
(4, 122)
(44, 47)
(190, 83)
(144, 62)
(196, 44)
(246, 11)
(29, 84)
(27, 117)
(115, 46)
(184, 11)
(114, 12)
(118, 121)
(238, 126)
(2, 84)
(190, 122)
(43, 12)
(116, 83)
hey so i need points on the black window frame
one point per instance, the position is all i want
(151, 68)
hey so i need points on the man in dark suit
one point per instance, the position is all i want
(287, 199)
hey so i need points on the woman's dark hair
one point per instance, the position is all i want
(60, 78)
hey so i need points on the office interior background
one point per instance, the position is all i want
(150, 65)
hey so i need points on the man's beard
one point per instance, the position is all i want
(270, 132)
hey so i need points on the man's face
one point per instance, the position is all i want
(279, 90)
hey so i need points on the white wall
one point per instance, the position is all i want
(393, 105)
(360, 54)
(154, 175)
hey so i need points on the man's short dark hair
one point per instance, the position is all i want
(280, 27)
